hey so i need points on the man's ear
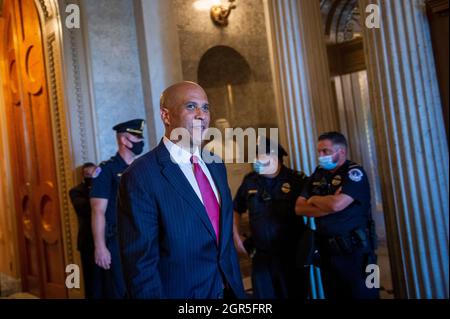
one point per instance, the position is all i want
(165, 117)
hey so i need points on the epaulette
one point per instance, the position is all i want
(354, 165)
(111, 160)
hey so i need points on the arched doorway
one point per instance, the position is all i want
(33, 157)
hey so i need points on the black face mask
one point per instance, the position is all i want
(138, 147)
(88, 181)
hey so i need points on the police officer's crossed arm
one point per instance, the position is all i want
(304, 208)
(102, 254)
(333, 203)
(319, 206)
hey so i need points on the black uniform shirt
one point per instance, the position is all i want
(354, 182)
(271, 206)
(106, 184)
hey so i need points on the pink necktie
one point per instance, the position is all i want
(208, 196)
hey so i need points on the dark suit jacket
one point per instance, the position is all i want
(168, 244)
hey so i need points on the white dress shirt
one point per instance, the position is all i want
(183, 159)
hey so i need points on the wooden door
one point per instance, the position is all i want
(32, 151)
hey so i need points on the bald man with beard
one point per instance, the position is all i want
(175, 211)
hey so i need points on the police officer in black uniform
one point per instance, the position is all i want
(338, 195)
(79, 196)
(104, 216)
(269, 195)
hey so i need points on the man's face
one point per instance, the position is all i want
(128, 139)
(268, 164)
(133, 138)
(326, 148)
(189, 110)
(89, 171)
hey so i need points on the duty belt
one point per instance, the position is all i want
(345, 244)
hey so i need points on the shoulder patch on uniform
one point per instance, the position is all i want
(97, 172)
(355, 174)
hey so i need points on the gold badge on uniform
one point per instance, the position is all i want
(337, 180)
(252, 191)
(286, 188)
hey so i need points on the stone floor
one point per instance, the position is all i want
(8, 285)
(20, 295)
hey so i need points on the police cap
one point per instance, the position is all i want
(270, 147)
(134, 127)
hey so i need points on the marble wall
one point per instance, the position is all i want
(239, 83)
(115, 68)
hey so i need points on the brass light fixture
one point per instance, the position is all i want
(220, 13)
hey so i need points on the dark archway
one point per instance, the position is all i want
(221, 66)
(227, 78)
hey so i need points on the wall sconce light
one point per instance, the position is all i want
(220, 13)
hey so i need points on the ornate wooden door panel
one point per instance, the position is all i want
(31, 142)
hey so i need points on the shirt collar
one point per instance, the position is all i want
(121, 161)
(178, 154)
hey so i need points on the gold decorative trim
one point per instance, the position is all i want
(60, 115)
(44, 9)
(61, 143)
(78, 91)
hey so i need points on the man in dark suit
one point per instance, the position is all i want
(176, 213)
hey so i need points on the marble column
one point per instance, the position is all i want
(159, 56)
(301, 77)
(411, 146)
(302, 84)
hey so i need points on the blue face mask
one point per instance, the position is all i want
(326, 162)
(258, 167)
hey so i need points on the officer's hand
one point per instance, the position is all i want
(103, 257)
(239, 243)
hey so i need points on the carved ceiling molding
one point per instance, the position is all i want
(341, 20)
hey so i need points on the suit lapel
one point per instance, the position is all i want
(176, 178)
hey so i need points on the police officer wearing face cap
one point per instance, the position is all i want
(268, 195)
(103, 197)
(338, 196)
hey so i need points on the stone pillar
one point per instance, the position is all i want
(301, 77)
(411, 146)
(302, 84)
(114, 69)
(159, 56)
